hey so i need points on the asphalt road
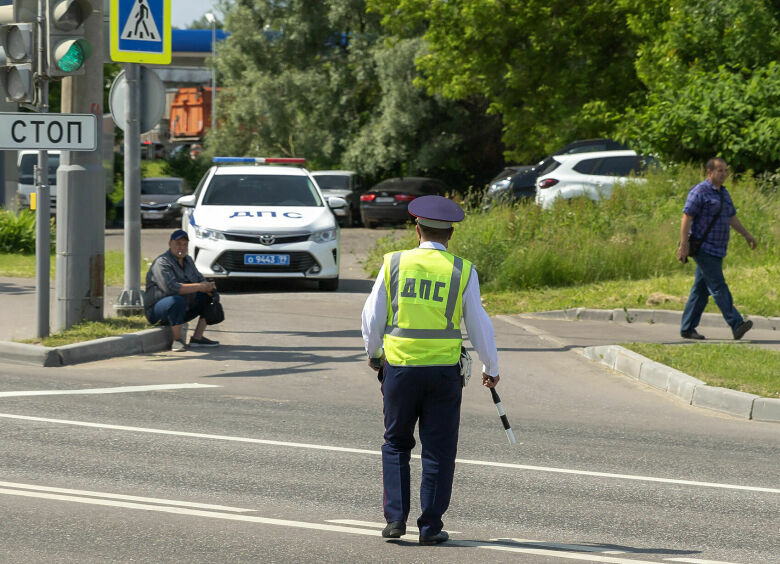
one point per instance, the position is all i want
(275, 456)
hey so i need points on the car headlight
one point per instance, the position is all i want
(214, 235)
(498, 186)
(324, 236)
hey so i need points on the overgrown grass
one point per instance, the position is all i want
(615, 253)
(91, 330)
(721, 365)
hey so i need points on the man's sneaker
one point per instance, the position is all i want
(178, 346)
(438, 538)
(394, 530)
(692, 334)
(202, 342)
(740, 331)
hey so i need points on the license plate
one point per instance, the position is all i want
(384, 200)
(152, 213)
(272, 260)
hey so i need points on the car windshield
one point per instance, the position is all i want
(261, 190)
(161, 187)
(28, 163)
(332, 181)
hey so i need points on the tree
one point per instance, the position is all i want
(713, 86)
(320, 79)
(537, 63)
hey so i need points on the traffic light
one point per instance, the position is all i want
(19, 70)
(67, 49)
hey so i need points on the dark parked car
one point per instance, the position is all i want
(387, 202)
(344, 184)
(511, 186)
(158, 200)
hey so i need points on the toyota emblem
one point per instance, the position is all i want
(267, 239)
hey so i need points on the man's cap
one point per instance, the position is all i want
(178, 234)
(437, 212)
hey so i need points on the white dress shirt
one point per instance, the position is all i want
(478, 325)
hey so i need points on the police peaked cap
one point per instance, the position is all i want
(437, 212)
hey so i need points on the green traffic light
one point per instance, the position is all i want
(73, 59)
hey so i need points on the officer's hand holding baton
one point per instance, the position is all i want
(490, 382)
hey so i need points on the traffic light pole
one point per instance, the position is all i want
(81, 197)
(130, 301)
(42, 233)
(43, 206)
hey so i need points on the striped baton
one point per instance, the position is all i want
(507, 427)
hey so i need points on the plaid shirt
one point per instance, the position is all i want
(704, 201)
(165, 277)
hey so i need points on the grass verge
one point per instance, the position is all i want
(91, 330)
(23, 266)
(741, 367)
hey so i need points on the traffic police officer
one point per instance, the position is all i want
(414, 310)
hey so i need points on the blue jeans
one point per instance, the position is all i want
(173, 310)
(707, 281)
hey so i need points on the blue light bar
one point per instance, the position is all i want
(236, 160)
(260, 160)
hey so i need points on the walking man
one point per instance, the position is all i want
(708, 216)
(414, 310)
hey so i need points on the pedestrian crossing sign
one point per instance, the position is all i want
(141, 31)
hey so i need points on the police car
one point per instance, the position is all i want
(261, 218)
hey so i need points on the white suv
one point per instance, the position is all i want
(250, 221)
(588, 175)
(25, 163)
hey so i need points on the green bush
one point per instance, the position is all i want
(182, 166)
(17, 232)
(631, 236)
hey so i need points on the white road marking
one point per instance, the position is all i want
(508, 465)
(122, 497)
(409, 528)
(179, 508)
(117, 390)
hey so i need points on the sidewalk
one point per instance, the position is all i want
(597, 335)
(18, 304)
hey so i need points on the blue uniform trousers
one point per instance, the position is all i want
(432, 395)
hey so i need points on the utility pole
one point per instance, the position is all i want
(81, 194)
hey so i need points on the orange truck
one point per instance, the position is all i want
(190, 114)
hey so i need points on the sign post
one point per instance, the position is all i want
(140, 33)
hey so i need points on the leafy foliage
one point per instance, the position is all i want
(712, 81)
(537, 63)
(321, 80)
(17, 232)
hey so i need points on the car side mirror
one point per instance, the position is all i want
(187, 201)
(336, 202)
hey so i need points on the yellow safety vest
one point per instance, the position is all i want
(424, 306)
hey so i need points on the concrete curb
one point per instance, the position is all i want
(649, 316)
(686, 388)
(141, 342)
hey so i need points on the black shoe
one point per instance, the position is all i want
(203, 342)
(438, 538)
(394, 530)
(692, 334)
(740, 331)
